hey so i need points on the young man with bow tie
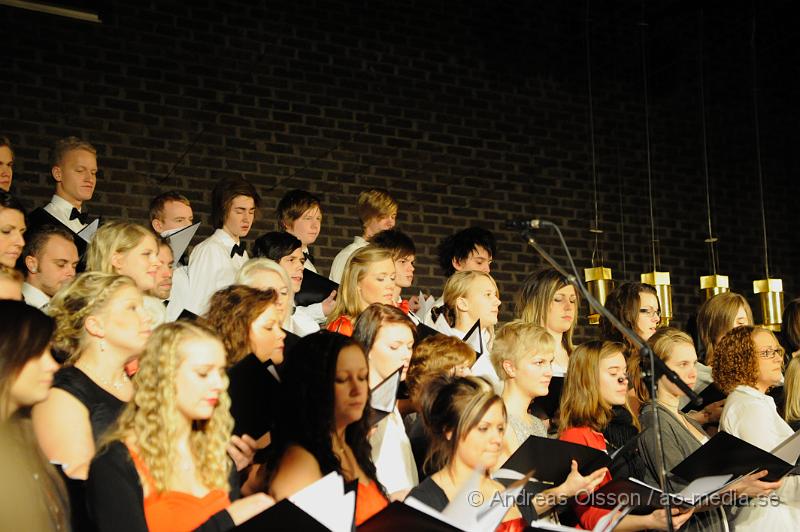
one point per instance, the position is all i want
(214, 262)
(74, 169)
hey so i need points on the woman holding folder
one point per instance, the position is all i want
(164, 467)
(680, 434)
(597, 380)
(747, 363)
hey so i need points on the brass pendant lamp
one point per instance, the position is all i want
(658, 279)
(599, 279)
(769, 289)
(714, 283)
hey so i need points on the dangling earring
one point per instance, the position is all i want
(102, 346)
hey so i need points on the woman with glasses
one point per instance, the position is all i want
(680, 434)
(748, 361)
(597, 381)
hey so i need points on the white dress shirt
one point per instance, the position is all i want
(304, 322)
(751, 416)
(156, 311)
(61, 209)
(211, 268)
(179, 293)
(392, 455)
(34, 297)
(339, 262)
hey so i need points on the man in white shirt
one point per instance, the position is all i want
(377, 211)
(50, 258)
(214, 262)
(300, 215)
(74, 169)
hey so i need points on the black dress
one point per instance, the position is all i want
(104, 408)
(254, 393)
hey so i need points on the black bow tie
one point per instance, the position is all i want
(166, 302)
(237, 249)
(309, 257)
(82, 217)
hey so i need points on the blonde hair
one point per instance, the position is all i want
(113, 238)
(515, 340)
(582, 404)
(791, 386)
(665, 338)
(458, 285)
(715, 318)
(249, 270)
(533, 299)
(66, 145)
(348, 302)
(86, 295)
(150, 419)
(375, 203)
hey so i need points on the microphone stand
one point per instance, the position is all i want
(657, 366)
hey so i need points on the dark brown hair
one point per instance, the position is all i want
(223, 195)
(293, 204)
(375, 316)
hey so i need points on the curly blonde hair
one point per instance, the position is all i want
(86, 295)
(150, 418)
(113, 238)
(735, 358)
(434, 355)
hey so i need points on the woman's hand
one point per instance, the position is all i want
(243, 509)
(577, 483)
(753, 486)
(658, 519)
(242, 450)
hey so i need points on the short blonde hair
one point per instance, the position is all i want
(66, 145)
(348, 303)
(249, 270)
(375, 203)
(515, 340)
(86, 295)
(113, 238)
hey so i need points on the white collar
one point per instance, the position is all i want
(752, 392)
(34, 297)
(360, 240)
(62, 205)
(222, 236)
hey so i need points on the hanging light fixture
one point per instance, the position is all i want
(714, 283)
(769, 289)
(599, 280)
(658, 279)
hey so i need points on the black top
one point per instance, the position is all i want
(619, 432)
(418, 438)
(103, 407)
(115, 498)
(431, 494)
(254, 394)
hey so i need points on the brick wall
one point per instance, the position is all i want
(470, 112)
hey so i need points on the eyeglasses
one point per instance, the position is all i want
(650, 313)
(770, 354)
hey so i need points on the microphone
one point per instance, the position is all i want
(524, 224)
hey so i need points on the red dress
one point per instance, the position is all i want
(588, 516)
(369, 501)
(176, 511)
(342, 325)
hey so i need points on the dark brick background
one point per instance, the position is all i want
(470, 112)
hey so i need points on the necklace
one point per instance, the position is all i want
(116, 384)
